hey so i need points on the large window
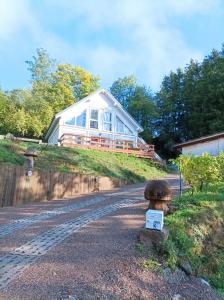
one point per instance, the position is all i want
(79, 120)
(94, 119)
(121, 127)
(70, 121)
(107, 124)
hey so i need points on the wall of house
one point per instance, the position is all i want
(101, 103)
(53, 138)
(212, 147)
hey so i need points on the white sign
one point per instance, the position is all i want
(154, 219)
(29, 173)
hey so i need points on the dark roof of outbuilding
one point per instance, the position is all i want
(202, 139)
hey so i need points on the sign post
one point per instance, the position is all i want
(180, 184)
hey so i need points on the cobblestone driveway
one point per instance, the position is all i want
(82, 248)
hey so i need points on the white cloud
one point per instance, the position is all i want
(151, 43)
(17, 18)
(189, 7)
(13, 16)
(154, 46)
(124, 12)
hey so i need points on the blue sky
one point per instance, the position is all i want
(112, 39)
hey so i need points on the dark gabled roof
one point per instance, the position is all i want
(202, 139)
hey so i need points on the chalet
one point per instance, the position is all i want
(98, 121)
(212, 144)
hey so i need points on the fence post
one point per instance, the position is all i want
(180, 184)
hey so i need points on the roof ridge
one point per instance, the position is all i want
(206, 137)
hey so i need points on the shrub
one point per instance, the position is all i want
(200, 170)
(220, 162)
(196, 234)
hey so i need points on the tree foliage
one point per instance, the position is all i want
(200, 170)
(41, 66)
(29, 112)
(191, 102)
(138, 100)
(73, 82)
(142, 108)
(123, 88)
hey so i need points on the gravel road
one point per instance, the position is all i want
(85, 248)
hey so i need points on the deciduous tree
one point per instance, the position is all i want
(123, 88)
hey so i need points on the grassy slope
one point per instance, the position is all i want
(83, 161)
(197, 234)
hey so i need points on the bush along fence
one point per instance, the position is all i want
(17, 188)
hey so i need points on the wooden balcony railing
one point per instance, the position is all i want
(105, 144)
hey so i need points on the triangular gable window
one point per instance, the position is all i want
(121, 127)
(70, 121)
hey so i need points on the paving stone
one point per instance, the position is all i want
(16, 261)
(26, 222)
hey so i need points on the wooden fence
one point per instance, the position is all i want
(17, 188)
(106, 144)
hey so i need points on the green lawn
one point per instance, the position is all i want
(197, 234)
(93, 162)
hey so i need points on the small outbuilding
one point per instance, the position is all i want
(212, 144)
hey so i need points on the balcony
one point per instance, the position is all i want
(106, 144)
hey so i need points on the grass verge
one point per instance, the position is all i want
(197, 234)
(84, 161)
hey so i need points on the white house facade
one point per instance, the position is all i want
(212, 144)
(97, 115)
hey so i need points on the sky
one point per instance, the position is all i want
(109, 38)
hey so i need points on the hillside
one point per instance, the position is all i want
(197, 234)
(86, 161)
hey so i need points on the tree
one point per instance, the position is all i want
(18, 124)
(191, 102)
(41, 66)
(200, 170)
(171, 109)
(40, 115)
(4, 112)
(143, 110)
(54, 87)
(204, 101)
(123, 88)
(22, 115)
(73, 82)
(138, 101)
(68, 85)
(12, 114)
(42, 98)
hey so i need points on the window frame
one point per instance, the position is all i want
(94, 120)
(124, 126)
(106, 122)
(84, 111)
(75, 118)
